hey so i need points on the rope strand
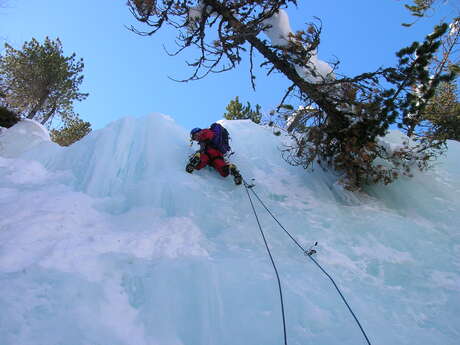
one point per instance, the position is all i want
(317, 264)
(343, 299)
(272, 261)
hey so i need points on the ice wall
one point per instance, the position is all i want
(21, 137)
(109, 241)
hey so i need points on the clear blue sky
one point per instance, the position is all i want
(127, 75)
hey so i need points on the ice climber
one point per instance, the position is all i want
(213, 145)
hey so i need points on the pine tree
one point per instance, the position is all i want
(236, 111)
(443, 113)
(39, 82)
(72, 131)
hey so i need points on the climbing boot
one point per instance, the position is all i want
(193, 163)
(237, 178)
(189, 168)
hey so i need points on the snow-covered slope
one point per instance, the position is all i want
(23, 136)
(109, 241)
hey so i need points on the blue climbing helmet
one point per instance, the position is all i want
(194, 131)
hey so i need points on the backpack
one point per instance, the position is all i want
(221, 138)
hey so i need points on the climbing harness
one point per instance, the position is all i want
(309, 253)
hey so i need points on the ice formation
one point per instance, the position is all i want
(110, 241)
(21, 137)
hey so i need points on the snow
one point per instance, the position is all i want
(279, 28)
(22, 136)
(110, 241)
(454, 27)
(280, 34)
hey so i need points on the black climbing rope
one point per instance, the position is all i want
(343, 298)
(271, 259)
(309, 253)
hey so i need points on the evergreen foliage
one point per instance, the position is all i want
(443, 113)
(39, 82)
(439, 118)
(237, 111)
(419, 8)
(340, 121)
(73, 131)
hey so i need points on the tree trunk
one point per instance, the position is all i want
(49, 114)
(38, 106)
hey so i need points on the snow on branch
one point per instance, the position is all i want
(278, 29)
